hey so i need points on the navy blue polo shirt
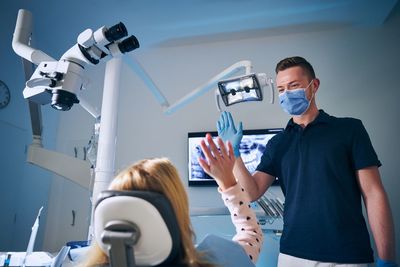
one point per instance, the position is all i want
(316, 167)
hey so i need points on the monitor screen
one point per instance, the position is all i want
(251, 149)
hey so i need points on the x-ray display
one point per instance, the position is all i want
(251, 149)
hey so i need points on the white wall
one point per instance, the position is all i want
(358, 69)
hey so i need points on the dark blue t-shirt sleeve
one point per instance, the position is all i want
(363, 152)
(267, 160)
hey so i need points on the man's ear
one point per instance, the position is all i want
(316, 83)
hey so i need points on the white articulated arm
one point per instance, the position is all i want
(74, 169)
(209, 85)
(21, 39)
(197, 92)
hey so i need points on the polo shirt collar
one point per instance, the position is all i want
(322, 117)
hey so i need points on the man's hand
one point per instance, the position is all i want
(227, 131)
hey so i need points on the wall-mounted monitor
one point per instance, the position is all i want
(251, 149)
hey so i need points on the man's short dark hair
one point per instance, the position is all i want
(293, 62)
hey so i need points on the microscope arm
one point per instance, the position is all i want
(74, 169)
(21, 39)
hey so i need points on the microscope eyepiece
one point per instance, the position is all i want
(129, 44)
(116, 32)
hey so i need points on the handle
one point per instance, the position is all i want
(217, 102)
(272, 87)
(73, 218)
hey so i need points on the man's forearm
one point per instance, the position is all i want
(381, 223)
(245, 179)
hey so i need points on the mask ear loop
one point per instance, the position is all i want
(314, 92)
(309, 101)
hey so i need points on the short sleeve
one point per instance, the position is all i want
(266, 164)
(363, 153)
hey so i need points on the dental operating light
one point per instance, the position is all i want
(244, 88)
(250, 88)
(240, 89)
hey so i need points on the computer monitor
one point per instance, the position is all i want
(251, 148)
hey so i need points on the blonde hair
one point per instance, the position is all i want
(157, 175)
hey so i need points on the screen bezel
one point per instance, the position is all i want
(202, 134)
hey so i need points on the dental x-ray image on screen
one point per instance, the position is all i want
(251, 148)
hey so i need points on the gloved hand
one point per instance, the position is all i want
(227, 131)
(385, 263)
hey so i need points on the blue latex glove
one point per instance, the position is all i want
(384, 263)
(227, 131)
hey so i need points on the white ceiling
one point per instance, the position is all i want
(224, 17)
(162, 22)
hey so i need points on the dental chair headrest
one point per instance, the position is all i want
(159, 240)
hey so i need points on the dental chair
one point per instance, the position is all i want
(137, 228)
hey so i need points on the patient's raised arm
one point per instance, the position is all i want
(219, 165)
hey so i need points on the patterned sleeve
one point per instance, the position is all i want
(248, 232)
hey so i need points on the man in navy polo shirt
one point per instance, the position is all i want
(325, 165)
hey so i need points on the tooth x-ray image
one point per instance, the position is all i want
(251, 149)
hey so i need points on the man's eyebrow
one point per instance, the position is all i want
(295, 81)
(289, 83)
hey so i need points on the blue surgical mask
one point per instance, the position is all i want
(295, 101)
